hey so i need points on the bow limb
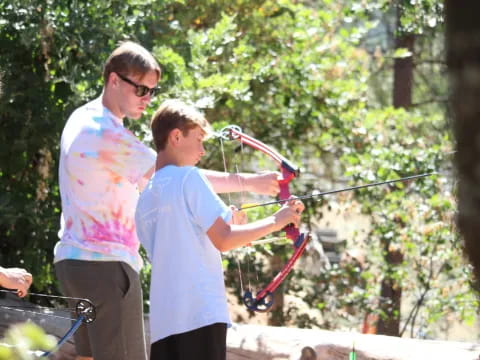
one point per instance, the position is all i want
(85, 311)
(65, 337)
(264, 299)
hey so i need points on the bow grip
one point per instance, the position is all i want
(289, 172)
(292, 233)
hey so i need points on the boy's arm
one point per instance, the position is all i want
(228, 236)
(265, 183)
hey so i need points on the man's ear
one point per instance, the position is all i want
(113, 79)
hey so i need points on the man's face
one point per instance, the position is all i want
(130, 104)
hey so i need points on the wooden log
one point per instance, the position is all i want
(270, 343)
(261, 342)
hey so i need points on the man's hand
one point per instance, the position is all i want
(16, 279)
(265, 182)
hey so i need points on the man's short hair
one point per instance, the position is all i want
(175, 114)
(130, 58)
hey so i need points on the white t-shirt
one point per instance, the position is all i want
(100, 165)
(187, 289)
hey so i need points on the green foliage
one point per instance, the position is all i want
(418, 16)
(414, 218)
(24, 342)
(30, 107)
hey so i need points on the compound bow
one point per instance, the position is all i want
(84, 309)
(263, 300)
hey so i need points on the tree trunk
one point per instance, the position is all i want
(463, 60)
(391, 291)
(403, 73)
(390, 298)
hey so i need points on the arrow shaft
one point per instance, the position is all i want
(407, 178)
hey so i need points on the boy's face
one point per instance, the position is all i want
(191, 146)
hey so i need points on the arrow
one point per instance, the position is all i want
(251, 206)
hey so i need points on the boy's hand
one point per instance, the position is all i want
(289, 213)
(264, 183)
(239, 217)
(16, 279)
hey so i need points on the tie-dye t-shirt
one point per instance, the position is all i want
(101, 163)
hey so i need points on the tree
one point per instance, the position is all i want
(463, 65)
(411, 21)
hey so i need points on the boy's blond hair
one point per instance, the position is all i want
(130, 58)
(175, 114)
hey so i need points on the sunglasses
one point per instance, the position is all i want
(140, 90)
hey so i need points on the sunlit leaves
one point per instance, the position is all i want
(23, 341)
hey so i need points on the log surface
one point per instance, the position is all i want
(272, 343)
(262, 342)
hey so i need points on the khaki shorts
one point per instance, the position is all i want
(114, 289)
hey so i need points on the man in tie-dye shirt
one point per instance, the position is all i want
(103, 166)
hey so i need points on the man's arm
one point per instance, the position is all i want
(265, 183)
(144, 180)
(15, 279)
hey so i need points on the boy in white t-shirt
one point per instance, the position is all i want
(184, 226)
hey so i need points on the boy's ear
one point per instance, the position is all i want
(175, 136)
